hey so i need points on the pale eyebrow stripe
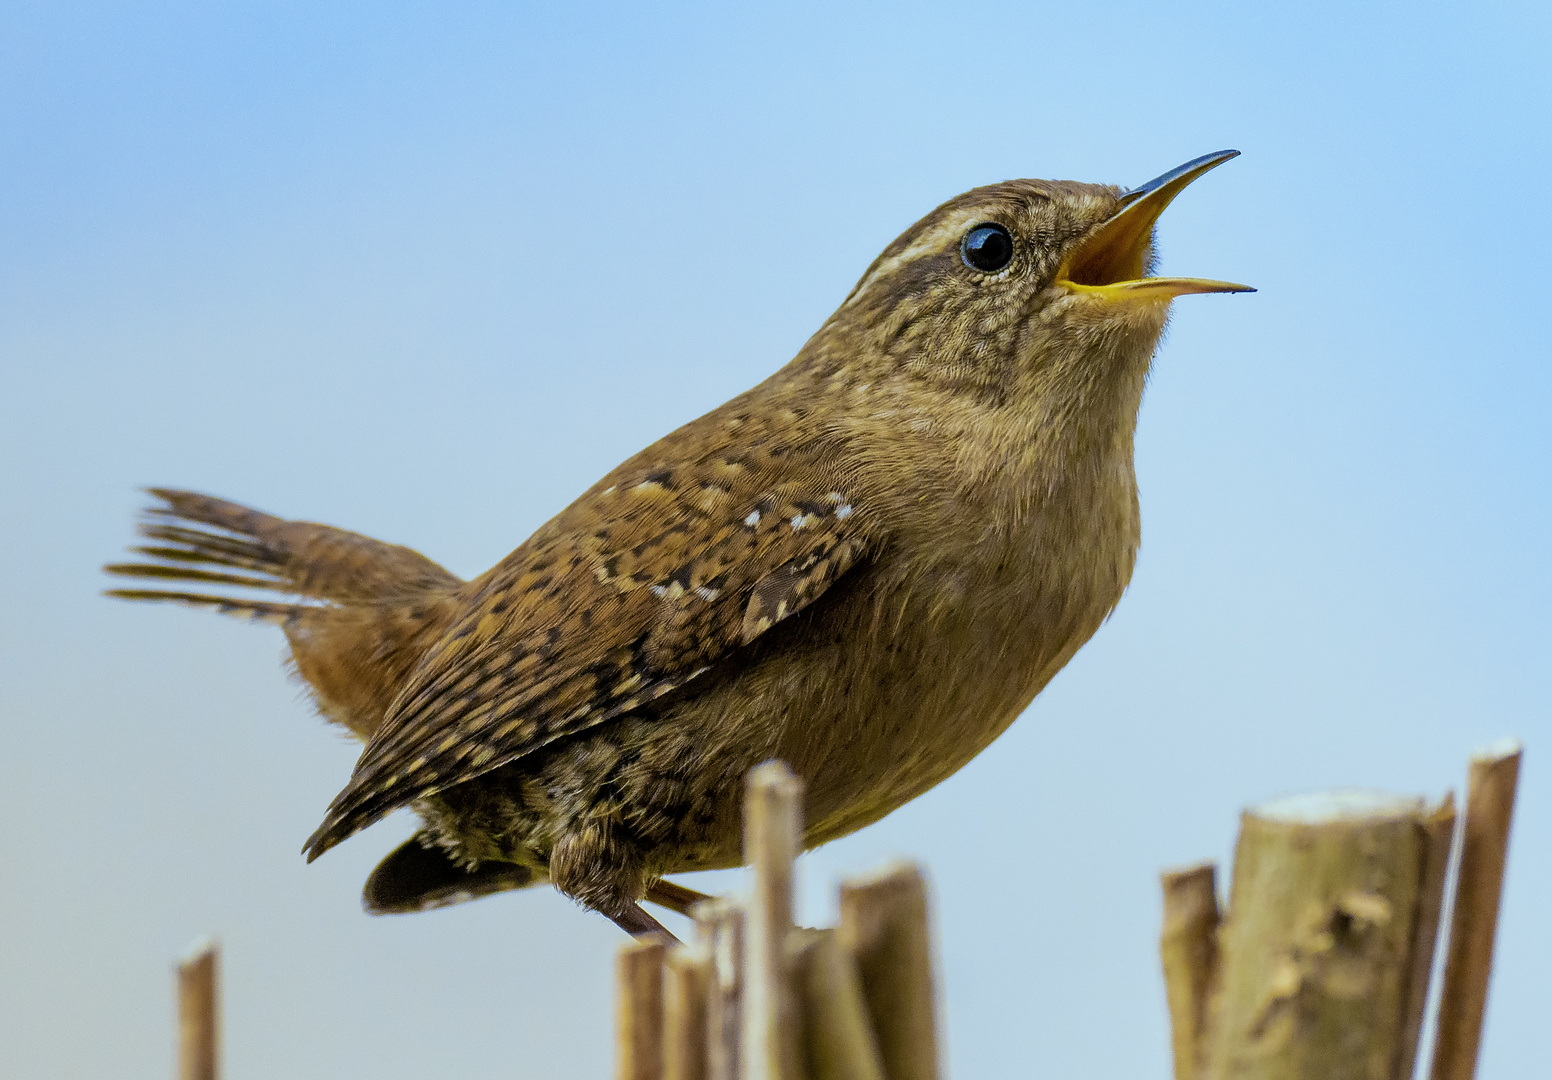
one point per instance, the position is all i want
(930, 240)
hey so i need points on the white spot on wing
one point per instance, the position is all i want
(753, 519)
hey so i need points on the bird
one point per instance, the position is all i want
(867, 566)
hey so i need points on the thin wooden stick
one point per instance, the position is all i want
(837, 1032)
(199, 1012)
(720, 924)
(773, 839)
(638, 1010)
(1188, 946)
(1490, 789)
(686, 981)
(884, 929)
(1438, 830)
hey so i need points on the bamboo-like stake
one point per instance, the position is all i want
(1439, 832)
(686, 982)
(773, 839)
(638, 1010)
(837, 1035)
(884, 929)
(199, 1012)
(1315, 951)
(1188, 946)
(1490, 789)
(720, 924)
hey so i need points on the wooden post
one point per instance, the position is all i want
(686, 982)
(720, 925)
(773, 839)
(836, 1031)
(1491, 783)
(638, 1010)
(884, 929)
(1439, 829)
(199, 1012)
(1188, 946)
(1316, 950)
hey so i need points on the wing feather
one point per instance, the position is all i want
(633, 592)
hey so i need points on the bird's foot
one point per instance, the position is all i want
(675, 898)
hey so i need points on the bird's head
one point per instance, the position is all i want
(1019, 288)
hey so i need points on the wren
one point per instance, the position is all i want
(866, 566)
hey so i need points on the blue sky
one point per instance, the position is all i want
(426, 272)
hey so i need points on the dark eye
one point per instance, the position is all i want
(987, 248)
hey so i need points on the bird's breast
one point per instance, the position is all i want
(929, 654)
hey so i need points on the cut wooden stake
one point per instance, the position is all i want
(1316, 946)
(720, 925)
(638, 1010)
(773, 839)
(686, 981)
(1439, 832)
(884, 930)
(836, 1032)
(199, 1012)
(1188, 946)
(1490, 789)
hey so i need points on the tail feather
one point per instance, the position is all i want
(295, 558)
(209, 510)
(185, 573)
(196, 545)
(257, 610)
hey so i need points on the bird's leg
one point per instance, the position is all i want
(675, 897)
(638, 924)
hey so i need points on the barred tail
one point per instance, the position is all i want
(202, 540)
(256, 610)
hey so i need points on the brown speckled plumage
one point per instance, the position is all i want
(867, 565)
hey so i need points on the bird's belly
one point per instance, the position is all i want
(874, 710)
(937, 703)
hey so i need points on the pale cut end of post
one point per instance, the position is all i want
(638, 1010)
(837, 1040)
(686, 986)
(773, 839)
(1492, 779)
(719, 927)
(1188, 948)
(885, 929)
(1342, 804)
(199, 1011)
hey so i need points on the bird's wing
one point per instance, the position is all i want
(633, 591)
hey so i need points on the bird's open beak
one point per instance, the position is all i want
(1110, 259)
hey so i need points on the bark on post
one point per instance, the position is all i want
(1490, 788)
(638, 1010)
(884, 929)
(1188, 947)
(199, 1012)
(773, 839)
(1439, 828)
(1316, 951)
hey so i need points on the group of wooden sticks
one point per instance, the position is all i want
(1321, 965)
(1328, 959)
(754, 997)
